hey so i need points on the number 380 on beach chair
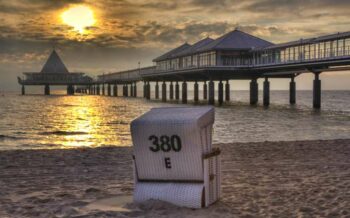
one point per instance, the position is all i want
(173, 157)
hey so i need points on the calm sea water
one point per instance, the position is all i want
(36, 121)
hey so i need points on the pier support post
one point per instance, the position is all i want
(205, 90)
(109, 89)
(148, 91)
(196, 90)
(211, 92)
(177, 91)
(131, 90)
(23, 90)
(292, 91)
(184, 92)
(70, 90)
(266, 99)
(115, 90)
(171, 91)
(98, 89)
(164, 92)
(227, 91)
(47, 90)
(144, 89)
(126, 90)
(220, 93)
(317, 91)
(254, 94)
(103, 89)
(157, 91)
(135, 89)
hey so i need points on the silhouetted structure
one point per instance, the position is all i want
(237, 56)
(54, 72)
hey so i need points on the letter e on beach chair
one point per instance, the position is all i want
(173, 157)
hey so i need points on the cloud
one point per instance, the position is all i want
(129, 31)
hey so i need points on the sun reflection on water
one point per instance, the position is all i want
(79, 121)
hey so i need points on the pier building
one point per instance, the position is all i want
(235, 56)
(54, 72)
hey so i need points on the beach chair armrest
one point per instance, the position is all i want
(214, 152)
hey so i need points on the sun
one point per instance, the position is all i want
(79, 17)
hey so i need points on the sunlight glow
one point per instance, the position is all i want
(79, 17)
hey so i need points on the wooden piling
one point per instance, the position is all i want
(266, 97)
(292, 91)
(211, 100)
(254, 94)
(220, 93)
(184, 92)
(317, 92)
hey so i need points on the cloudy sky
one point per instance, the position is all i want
(129, 31)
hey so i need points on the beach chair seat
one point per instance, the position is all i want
(173, 157)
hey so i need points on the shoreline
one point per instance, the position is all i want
(130, 146)
(275, 179)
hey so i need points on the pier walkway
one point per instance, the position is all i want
(234, 56)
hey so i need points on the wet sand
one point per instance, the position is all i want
(268, 179)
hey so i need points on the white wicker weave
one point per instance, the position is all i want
(192, 181)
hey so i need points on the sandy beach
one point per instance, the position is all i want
(268, 179)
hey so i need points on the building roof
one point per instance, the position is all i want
(236, 40)
(195, 47)
(54, 64)
(172, 53)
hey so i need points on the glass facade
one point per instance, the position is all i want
(297, 53)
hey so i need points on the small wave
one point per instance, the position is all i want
(6, 137)
(118, 122)
(64, 133)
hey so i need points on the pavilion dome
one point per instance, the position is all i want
(54, 64)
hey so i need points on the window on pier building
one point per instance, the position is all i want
(207, 59)
(235, 58)
(161, 65)
(347, 46)
(187, 62)
(195, 60)
(174, 64)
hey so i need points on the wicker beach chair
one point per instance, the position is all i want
(173, 157)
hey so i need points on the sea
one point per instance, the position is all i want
(63, 122)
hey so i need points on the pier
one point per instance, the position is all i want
(212, 64)
(237, 56)
(55, 73)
